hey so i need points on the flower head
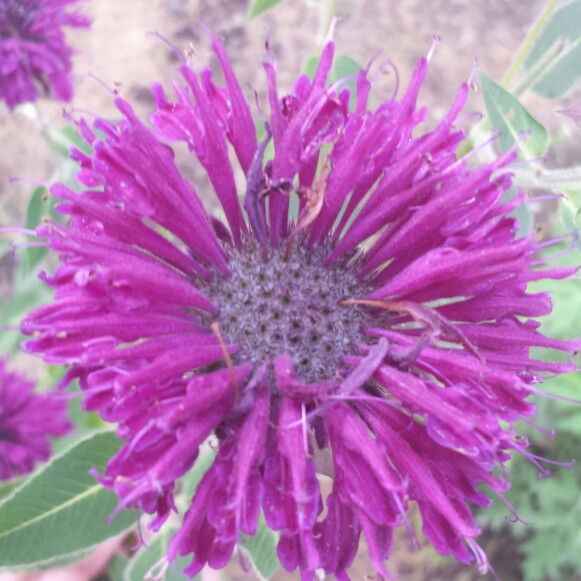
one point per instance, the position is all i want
(33, 52)
(27, 420)
(367, 297)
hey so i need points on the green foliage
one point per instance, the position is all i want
(512, 120)
(552, 506)
(570, 216)
(261, 549)
(60, 512)
(566, 297)
(558, 51)
(7, 486)
(61, 140)
(28, 293)
(259, 7)
(38, 207)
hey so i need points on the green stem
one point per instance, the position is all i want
(540, 68)
(548, 179)
(529, 41)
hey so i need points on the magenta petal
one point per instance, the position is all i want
(241, 131)
(197, 535)
(338, 536)
(291, 499)
(380, 499)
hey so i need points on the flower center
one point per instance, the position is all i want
(273, 305)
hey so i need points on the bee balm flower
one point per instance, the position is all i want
(366, 297)
(33, 51)
(27, 421)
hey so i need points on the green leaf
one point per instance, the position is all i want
(311, 66)
(29, 292)
(563, 71)
(345, 68)
(37, 208)
(521, 212)
(261, 549)
(61, 510)
(259, 7)
(570, 217)
(512, 120)
(63, 139)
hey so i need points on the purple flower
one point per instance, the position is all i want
(367, 297)
(27, 420)
(33, 51)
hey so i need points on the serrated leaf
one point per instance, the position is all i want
(61, 510)
(261, 549)
(259, 7)
(563, 71)
(513, 121)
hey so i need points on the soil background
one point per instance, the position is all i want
(122, 54)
